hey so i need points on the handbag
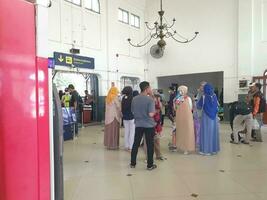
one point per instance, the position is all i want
(255, 124)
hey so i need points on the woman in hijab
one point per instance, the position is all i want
(112, 119)
(185, 136)
(128, 118)
(209, 128)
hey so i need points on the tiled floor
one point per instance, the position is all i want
(238, 172)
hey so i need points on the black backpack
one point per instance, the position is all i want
(80, 103)
(262, 107)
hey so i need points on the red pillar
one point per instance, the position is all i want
(24, 132)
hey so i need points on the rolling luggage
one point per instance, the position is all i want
(68, 123)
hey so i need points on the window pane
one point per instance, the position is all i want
(125, 17)
(132, 20)
(77, 2)
(88, 4)
(120, 15)
(137, 22)
(95, 5)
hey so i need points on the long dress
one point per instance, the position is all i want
(112, 125)
(209, 135)
(185, 135)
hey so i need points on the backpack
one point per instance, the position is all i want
(242, 108)
(80, 103)
(262, 107)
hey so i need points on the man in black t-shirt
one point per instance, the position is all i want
(74, 103)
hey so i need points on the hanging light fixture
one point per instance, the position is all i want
(162, 30)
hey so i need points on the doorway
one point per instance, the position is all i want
(82, 81)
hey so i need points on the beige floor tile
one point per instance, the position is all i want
(105, 187)
(213, 183)
(253, 181)
(262, 196)
(104, 175)
(155, 184)
(230, 197)
(70, 186)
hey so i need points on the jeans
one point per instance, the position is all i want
(149, 135)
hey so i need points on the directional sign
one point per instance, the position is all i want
(70, 60)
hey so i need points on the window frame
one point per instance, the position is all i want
(91, 9)
(128, 16)
(71, 1)
(139, 20)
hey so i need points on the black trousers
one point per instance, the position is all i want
(149, 135)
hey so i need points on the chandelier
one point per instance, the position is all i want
(162, 30)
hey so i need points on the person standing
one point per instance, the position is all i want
(209, 128)
(185, 136)
(258, 104)
(88, 99)
(128, 118)
(112, 119)
(171, 114)
(163, 103)
(158, 127)
(74, 104)
(66, 98)
(143, 108)
(199, 95)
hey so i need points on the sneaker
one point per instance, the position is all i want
(172, 148)
(160, 158)
(186, 153)
(233, 142)
(245, 142)
(152, 167)
(132, 166)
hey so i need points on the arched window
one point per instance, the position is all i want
(92, 5)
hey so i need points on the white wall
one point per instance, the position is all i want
(215, 49)
(252, 38)
(100, 36)
(232, 39)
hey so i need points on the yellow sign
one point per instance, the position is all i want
(68, 60)
(60, 59)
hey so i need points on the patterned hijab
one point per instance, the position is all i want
(181, 94)
(112, 94)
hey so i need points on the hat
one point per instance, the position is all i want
(251, 84)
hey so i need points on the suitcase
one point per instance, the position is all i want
(68, 132)
(68, 123)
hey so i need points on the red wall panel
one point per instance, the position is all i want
(43, 129)
(24, 147)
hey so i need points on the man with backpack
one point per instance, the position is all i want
(76, 104)
(241, 113)
(258, 104)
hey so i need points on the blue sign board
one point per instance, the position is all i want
(71, 60)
